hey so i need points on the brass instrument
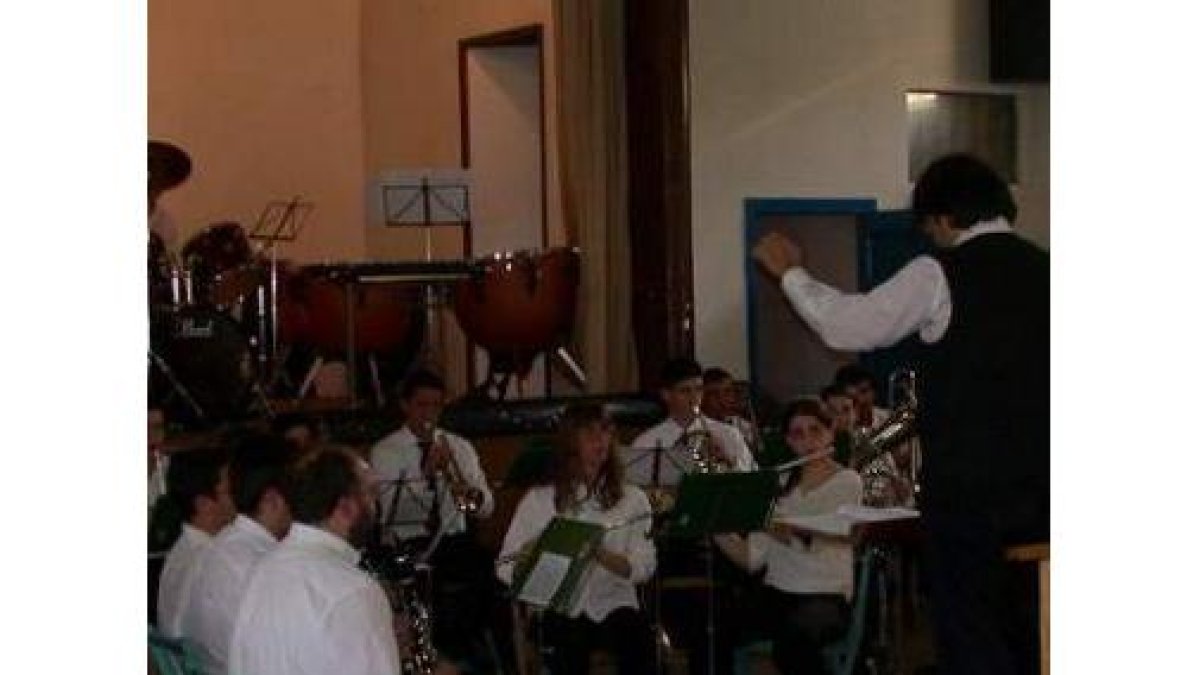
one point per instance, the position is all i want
(397, 575)
(883, 485)
(468, 499)
(701, 447)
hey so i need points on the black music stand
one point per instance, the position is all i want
(426, 199)
(279, 221)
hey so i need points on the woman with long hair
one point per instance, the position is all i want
(587, 485)
(809, 574)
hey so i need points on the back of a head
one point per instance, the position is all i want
(852, 374)
(319, 482)
(260, 463)
(194, 473)
(965, 189)
(677, 370)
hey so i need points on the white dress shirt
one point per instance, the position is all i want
(221, 579)
(824, 566)
(601, 592)
(915, 300)
(309, 610)
(398, 458)
(639, 458)
(178, 578)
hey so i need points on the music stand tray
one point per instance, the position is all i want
(715, 503)
(558, 562)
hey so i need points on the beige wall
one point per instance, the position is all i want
(266, 96)
(806, 99)
(410, 75)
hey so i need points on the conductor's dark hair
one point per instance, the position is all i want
(260, 463)
(195, 473)
(677, 370)
(965, 189)
(421, 379)
(320, 481)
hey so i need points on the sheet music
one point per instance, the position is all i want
(870, 514)
(545, 579)
(834, 524)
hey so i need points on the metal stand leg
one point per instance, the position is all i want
(311, 377)
(176, 385)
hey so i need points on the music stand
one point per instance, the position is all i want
(279, 221)
(429, 198)
(717, 503)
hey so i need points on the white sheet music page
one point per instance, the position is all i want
(545, 578)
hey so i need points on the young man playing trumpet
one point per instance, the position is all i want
(431, 483)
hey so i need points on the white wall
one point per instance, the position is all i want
(806, 99)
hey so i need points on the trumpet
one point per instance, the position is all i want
(701, 447)
(468, 499)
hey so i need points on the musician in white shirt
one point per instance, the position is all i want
(418, 498)
(809, 574)
(654, 460)
(257, 475)
(722, 402)
(308, 608)
(587, 486)
(198, 484)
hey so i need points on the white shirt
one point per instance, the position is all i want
(639, 458)
(915, 300)
(309, 610)
(398, 457)
(221, 579)
(178, 577)
(826, 565)
(601, 592)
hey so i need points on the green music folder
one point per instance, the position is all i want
(715, 503)
(557, 564)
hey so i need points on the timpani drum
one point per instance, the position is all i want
(522, 304)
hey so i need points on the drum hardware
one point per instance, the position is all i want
(176, 386)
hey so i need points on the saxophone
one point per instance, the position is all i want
(397, 575)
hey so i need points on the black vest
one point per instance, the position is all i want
(985, 386)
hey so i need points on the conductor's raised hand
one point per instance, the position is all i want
(777, 254)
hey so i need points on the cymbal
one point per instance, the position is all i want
(168, 165)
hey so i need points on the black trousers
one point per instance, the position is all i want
(800, 625)
(625, 633)
(984, 610)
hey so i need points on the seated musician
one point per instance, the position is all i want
(809, 575)
(308, 608)
(885, 483)
(721, 402)
(841, 409)
(588, 486)
(198, 486)
(256, 476)
(682, 389)
(432, 481)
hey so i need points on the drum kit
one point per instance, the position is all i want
(225, 320)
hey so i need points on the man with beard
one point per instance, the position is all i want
(308, 608)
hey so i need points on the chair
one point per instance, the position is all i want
(173, 656)
(841, 656)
